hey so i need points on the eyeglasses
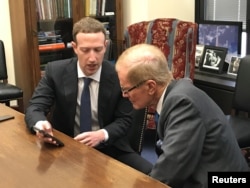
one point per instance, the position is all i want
(126, 91)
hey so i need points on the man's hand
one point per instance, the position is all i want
(45, 126)
(92, 138)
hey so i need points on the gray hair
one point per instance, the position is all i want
(144, 62)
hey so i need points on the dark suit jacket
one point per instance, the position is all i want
(59, 88)
(196, 138)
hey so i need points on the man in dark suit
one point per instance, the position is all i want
(194, 134)
(62, 86)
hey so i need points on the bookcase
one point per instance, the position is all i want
(42, 32)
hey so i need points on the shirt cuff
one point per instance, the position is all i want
(39, 124)
(106, 135)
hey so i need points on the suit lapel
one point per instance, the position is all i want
(106, 87)
(70, 81)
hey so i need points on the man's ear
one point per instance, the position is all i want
(106, 43)
(74, 46)
(152, 86)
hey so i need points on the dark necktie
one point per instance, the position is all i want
(156, 116)
(85, 108)
(158, 141)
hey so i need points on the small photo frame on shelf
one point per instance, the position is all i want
(213, 59)
(234, 65)
(198, 54)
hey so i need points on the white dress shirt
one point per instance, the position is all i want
(94, 91)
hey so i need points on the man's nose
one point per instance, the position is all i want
(92, 55)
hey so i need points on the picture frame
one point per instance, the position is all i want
(198, 54)
(213, 59)
(234, 65)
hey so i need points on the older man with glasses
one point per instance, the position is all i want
(194, 135)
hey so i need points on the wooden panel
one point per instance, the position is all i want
(119, 26)
(78, 9)
(24, 50)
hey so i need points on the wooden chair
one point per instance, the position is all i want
(8, 92)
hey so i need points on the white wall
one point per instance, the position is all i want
(141, 10)
(5, 36)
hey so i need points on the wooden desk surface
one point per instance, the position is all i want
(24, 162)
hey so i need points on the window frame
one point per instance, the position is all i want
(200, 15)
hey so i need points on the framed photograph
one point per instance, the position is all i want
(213, 59)
(198, 54)
(234, 65)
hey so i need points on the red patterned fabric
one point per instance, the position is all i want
(138, 33)
(172, 37)
(176, 39)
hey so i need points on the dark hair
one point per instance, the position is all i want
(88, 25)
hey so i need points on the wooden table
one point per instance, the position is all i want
(25, 162)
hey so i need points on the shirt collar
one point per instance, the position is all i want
(96, 76)
(160, 102)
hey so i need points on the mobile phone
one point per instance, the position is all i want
(58, 142)
(6, 117)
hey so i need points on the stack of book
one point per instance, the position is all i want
(53, 9)
(51, 46)
(99, 7)
(50, 40)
